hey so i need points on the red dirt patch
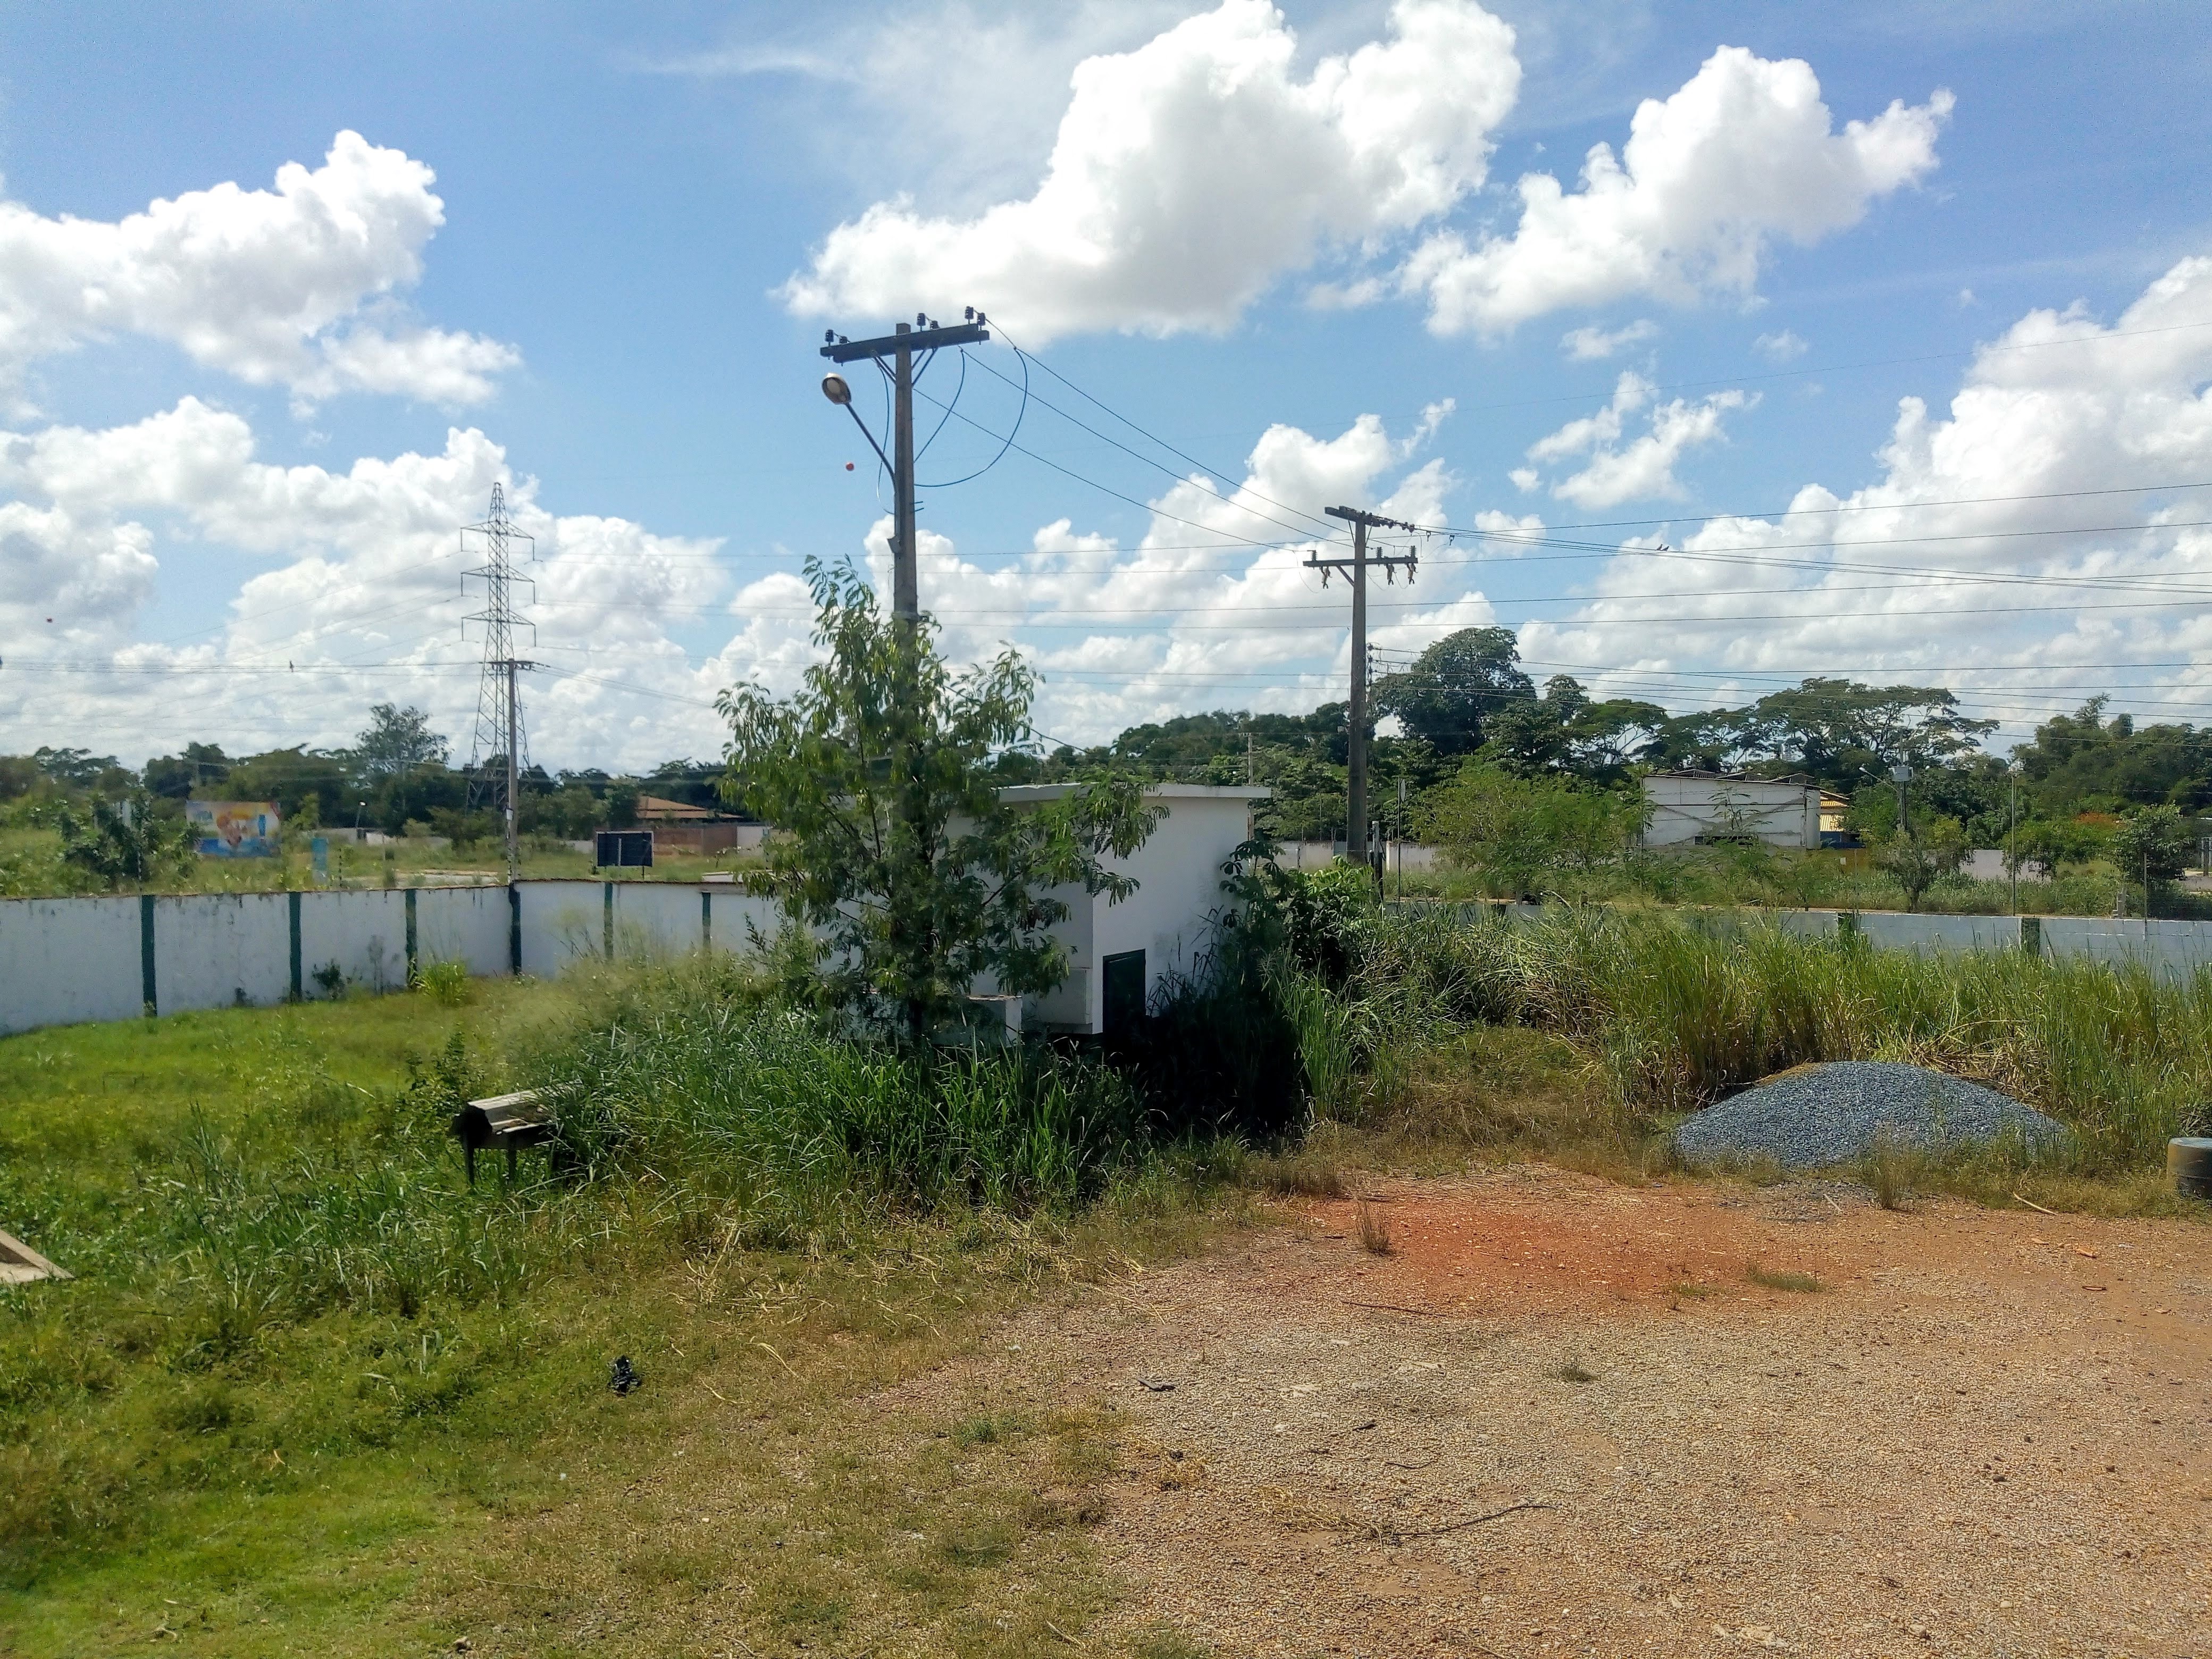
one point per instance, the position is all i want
(1987, 1435)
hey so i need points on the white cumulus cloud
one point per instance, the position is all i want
(1643, 469)
(291, 287)
(1594, 345)
(1745, 153)
(1191, 174)
(1893, 578)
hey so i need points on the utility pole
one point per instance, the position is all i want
(899, 348)
(499, 698)
(1355, 829)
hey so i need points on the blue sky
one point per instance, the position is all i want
(244, 430)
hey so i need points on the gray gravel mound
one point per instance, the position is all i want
(1832, 1113)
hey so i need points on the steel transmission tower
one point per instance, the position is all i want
(499, 737)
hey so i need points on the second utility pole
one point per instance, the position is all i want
(900, 348)
(1355, 827)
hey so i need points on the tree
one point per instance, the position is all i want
(2081, 759)
(1924, 855)
(126, 841)
(1455, 687)
(894, 843)
(1517, 831)
(200, 770)
(1565, 731)
(80, 769)
(395, 741)
(2154, 846)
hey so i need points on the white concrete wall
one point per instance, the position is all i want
(364, 933)
(467, 924)
(68, 959)
(215, 950)
(1893, 930)
(1179, 874)
(656, 921)
(732, 911)
(1684, 808)
(562, 921)
(2174, 947)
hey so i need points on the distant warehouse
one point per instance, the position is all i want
(1702, 808)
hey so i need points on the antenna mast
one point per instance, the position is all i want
(499, 737)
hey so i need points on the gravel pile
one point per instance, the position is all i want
(1832, 1114)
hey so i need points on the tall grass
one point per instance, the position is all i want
(1682, 1013)
(689, 1072)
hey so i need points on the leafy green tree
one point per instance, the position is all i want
(1456, 687)
(127, 840)
(2082, 759)
(80, 769)
(395, 740)
(465, 828)
(894, 843)
(1566, 730)
(19, 775)
(200, 770)
(1519, 832)
(1922, 856)
(2154, 846)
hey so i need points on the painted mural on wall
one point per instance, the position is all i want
(235, 828)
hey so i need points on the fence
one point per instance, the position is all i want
(65, 960)
(2177, 948)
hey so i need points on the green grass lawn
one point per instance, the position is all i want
(193, 1447)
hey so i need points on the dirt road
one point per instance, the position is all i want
(1984, 1433)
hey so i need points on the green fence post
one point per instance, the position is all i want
(292, 907)
(609, 899)
(410, 936)
(146, 955)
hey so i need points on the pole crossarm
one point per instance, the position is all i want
(919, 339)
(1372, 520)
(1363, 521)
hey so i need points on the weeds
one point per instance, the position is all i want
(1374, 1231)
(1802, 1284)
(1573, 1371)
(445, 983)
(1892, 1166)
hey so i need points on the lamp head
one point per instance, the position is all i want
(835, 389)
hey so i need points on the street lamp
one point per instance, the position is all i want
(1901, 775)
(838, 391)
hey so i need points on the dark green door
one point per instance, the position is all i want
(1125, 993)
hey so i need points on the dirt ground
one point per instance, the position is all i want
(1561, 1416)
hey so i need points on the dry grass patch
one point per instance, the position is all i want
(1774, 1279)
(1374, 1231)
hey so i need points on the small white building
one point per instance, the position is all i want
(1697, 808)
(1118, 953)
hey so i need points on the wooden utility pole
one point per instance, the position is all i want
(899, 348)
(1355, 827)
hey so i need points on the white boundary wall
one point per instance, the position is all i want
(2174, 948)
(67, 960)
